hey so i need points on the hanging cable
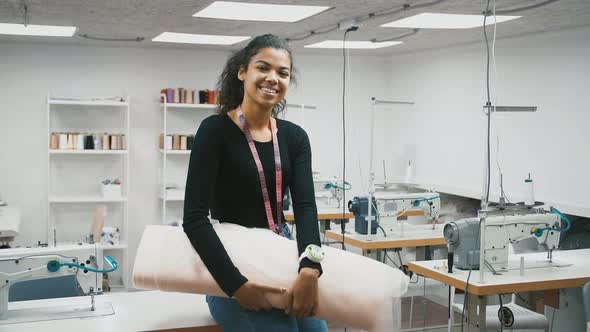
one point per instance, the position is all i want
(487, 194)
(403, 35)
(370, 16)
(344, 205)
(514, 10)
(135, 39)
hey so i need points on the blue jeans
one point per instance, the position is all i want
(231, 317)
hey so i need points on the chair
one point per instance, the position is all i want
(524, 319)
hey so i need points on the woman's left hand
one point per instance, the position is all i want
(303, 296)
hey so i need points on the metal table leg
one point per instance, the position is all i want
(476, 319)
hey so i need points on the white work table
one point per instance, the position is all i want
(534, 278)
(419, 238)
(570, 269)
(323, 214)
(134, 311)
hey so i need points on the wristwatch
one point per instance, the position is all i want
(315, 253)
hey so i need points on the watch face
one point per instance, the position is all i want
(316, 252)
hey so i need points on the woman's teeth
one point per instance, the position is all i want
(267, 90)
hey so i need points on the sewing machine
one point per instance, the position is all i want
(84, 262)
(502, 228)
(9, 224)
(388, 207)
(329, 191)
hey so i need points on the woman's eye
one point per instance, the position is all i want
(285, 74)
(262, 68)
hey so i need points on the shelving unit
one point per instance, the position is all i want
(70, 212)
(179, 157)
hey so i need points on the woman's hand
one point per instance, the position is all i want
(303, 296)
(251, 295)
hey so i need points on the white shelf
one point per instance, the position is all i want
(172, 197)
(86, 199)
(55, 101)
(55, 151)
(179, 105)
(185, 152)
(115, 108)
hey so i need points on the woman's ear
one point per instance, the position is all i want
(241, 73)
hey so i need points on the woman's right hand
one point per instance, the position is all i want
(251, 295)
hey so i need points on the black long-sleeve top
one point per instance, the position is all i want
(222, 177)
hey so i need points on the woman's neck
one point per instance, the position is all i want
(256, 117)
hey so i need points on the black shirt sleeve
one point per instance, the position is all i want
(304, 206)
(202, 175)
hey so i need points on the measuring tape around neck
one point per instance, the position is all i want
(261, 177)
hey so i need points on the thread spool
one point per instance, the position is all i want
(54, 142)
(105, 141)
(63, 141)
(97, 141)
(529, 198)
(79, 141)
(409, 172)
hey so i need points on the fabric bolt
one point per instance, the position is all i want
(355, 291)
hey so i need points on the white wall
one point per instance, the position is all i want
(29, 72)
(444, 131)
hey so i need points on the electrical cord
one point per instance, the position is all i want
(466, 299)
(552, 319)
(537, 5)
(501, 315)
(489, 114)
(381, 228)
(343, 224)
(391, 260)
(369, 16)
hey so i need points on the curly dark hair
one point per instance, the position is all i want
(231, 88)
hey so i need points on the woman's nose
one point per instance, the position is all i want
(272, 77)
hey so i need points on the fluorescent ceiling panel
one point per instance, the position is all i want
(189, 38)
(258, 11)
(36, 30)
(352, 44)
(445, 21)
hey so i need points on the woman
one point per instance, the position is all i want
(234, 173)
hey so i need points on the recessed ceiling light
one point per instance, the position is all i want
(36, 30)
(445, 21)
(352, 44)
(258, 11)
(189, 38)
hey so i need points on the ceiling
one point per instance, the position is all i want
(149, 18)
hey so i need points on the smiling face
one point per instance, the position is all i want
(266, 80)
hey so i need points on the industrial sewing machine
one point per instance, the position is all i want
(388, 207)
(83, 262)
(329, 191)
(502, 228)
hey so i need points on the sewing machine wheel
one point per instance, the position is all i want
(505, 316)
(451, 233)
